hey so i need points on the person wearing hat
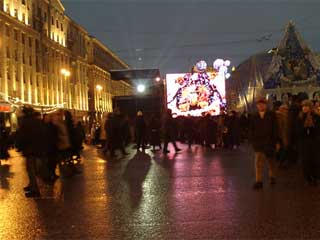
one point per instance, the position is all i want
(264, 138)
(309, 137)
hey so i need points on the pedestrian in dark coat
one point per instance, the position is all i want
(169, 132)
(30, 141)
(51, 141)
(116, 133)
(140, 131)
(309, 137)
(155, 132)
(264, 138)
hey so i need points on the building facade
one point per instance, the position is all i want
(48, 61)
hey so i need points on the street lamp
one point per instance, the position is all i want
(65, 73)
(141, 88)
(99, 89)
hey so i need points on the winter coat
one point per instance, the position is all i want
(140, 126)
(30, 137)
(264, 133)
(283, 128)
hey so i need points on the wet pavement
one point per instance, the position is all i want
(196, 194)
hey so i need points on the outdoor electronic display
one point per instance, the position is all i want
(200, 92)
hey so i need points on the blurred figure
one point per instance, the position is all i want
(108, 130)
(155, 132)
(51, 140)
(233, 126)
(293, 115)
(263, 137)
(140, 131)
(30, 141)
(283, 133)
(116, 134)
(93, 134)
(168, 132)
(64, 143)
(79, 139)
(309, 137)
(4, 143)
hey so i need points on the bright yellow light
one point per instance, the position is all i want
(233, 69)
(65, 72)
(99, 87)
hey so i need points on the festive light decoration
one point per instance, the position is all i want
(18, 103)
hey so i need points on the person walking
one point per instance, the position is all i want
(309, 137)
(283, 133)
(264, 138)
(155, 127)
(168, 132)
(51, 133)
(140, 131)
(30, 141)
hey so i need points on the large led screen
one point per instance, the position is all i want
(200, 92)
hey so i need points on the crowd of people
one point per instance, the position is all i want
(279, 136)
(46, 142)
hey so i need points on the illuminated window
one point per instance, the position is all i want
(7, 8)
(57, 23)
(16, 13)
(23, 58)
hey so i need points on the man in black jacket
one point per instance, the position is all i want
(264, 138)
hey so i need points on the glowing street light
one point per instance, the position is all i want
(99, 88)
(158, 79)
(141, 88)
(65, 72)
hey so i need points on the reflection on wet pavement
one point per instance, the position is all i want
(197, 194)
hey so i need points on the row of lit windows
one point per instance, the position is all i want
(16, 13)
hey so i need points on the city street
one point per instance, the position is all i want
(196, 194)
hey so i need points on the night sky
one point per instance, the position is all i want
(173, 34)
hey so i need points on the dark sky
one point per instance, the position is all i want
(173, 34)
